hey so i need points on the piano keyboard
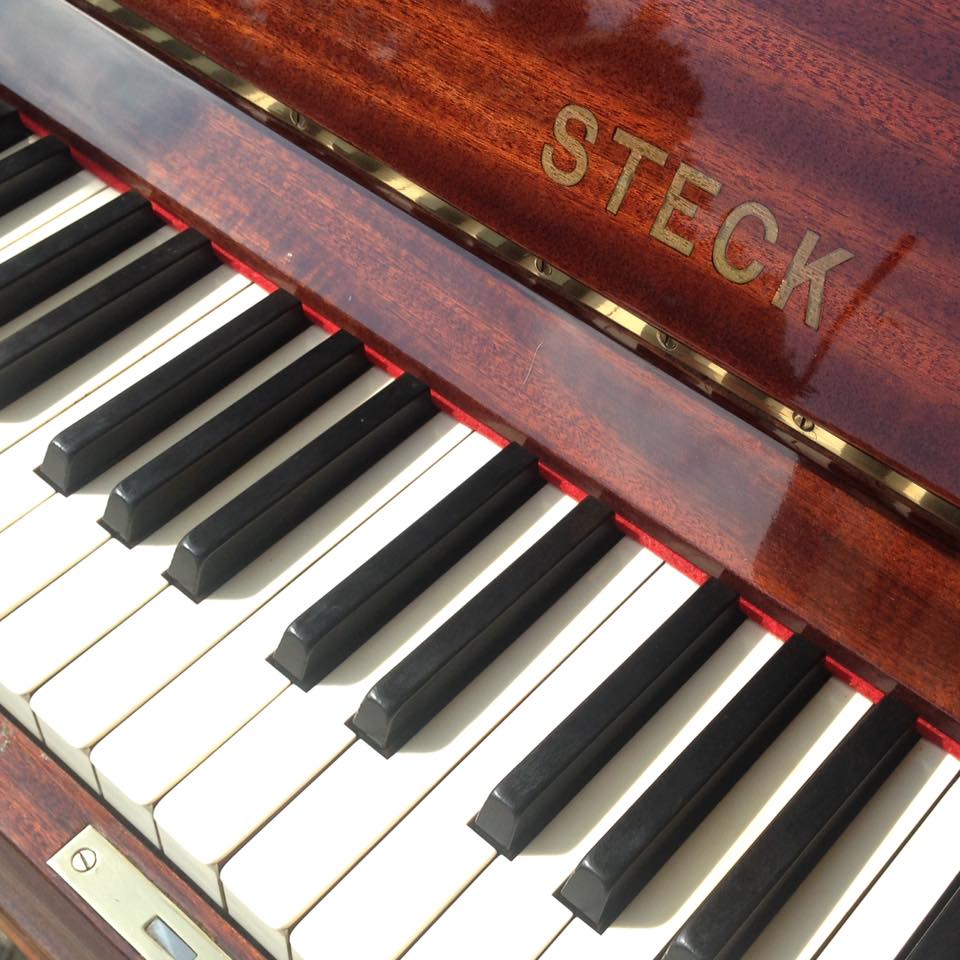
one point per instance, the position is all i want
(375, 685)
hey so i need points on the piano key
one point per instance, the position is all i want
(146, 499)
(403, 701)
(29, 172)
(532, 794)
(46, 267)
(98, 690)
(23, 489)
(433, 843)
(76, 382)
(853, 863)
(32, 355)
(52, 212)
(11, 129)
(325, 634)
(19, 145)
(885, 920)
(232, 538)
(939, 934)
(212, 711)
(319, 836)
(745, 900)
(106, 435)
(648, 834)
(519, 894)
(135, 576)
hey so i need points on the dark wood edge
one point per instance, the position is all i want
(711, 487)
(43, 807)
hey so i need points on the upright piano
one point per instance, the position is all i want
(480, 478)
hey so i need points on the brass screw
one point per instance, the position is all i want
(543, 267)
(83, 860)
(804, 423)
(666, 341)
(298, 120)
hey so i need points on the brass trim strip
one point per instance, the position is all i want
(621, 324)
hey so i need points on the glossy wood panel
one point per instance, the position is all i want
(42, 808)
(690, 472)
(840, 116)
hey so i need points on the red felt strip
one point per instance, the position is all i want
(171, 219)
(929, 732)
(853, 680)
(241, 268)
(565, 486)
(320, 319)
(460, 415)
(765, 620)
(697, 575)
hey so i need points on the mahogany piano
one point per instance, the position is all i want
(479, 478)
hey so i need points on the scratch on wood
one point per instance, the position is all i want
(533, 360)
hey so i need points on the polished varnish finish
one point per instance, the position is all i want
(44, 807)
(688, 471)
(842, 117)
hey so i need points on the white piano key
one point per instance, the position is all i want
(50, 205)
(643, 930)
(48, 226)
(17, 147)
(353, 803)
(433, 845)
(135, 575)
(82, 703)
(98, 367)
(143, 758)
(22, 488)
(841, 878)
(906, 891)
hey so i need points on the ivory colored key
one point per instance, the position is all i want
(884, 921)
(23, 488)
(837, 884)
(434, 844)
(27, 173)
(135, 576)
(517, 897)
(22, 144)
(353, 803)
(140, 761)
(938, 935)
(76, 382)
(164, 637)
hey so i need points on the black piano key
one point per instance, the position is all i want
(746, 899)
(12, 131)
(52, 264)
(422, 684)
(233, 537)
(938, 937)
(33, 169)
(123, 424)
(538, 788)
(58, 338)
(327, 633)
(155, 493)
(650, 832)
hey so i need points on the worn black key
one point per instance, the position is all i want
(938, 937)
(123, 424)
(545, 781)
(64, 335)
(423, 683)
(156, 492)
(762, 880)
(233, 537)
(52, 264)
(327, 633)
(12, 131)
(33, 169)
(650, 832)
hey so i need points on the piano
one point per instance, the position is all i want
(480, 478)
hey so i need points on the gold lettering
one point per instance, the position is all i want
(638, 150)
(770, 232)
(573, 146)
(676, 201)
(802, 271)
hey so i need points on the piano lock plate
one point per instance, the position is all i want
(112, 886)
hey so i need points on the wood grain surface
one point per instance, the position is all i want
(842, 117)
(43, 807)
(691, 473)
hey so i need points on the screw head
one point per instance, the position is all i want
(298, 120)
(83, 860)
(543, 267)
(804, 423)
(666, 341)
